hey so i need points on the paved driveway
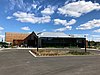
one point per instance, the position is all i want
(20, 62)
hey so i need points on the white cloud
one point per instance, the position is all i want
(93, 37)
(48, 11)
(67, 2)
(64, 23)
(96, 39)
(90, 24)
(0, 31)
(28, 17)
(63, 29)
(23, 15)
(98, 31)
(71, 22)
(44, 30)
(59, 21)
(60, 29)
(25, 28)
(34, 6)
(20, 4)
(76, 9)
(2, 36)
(9, 17)
(1, 28)
(97, 36)
(39, 7)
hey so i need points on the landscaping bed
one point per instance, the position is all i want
(57, 52)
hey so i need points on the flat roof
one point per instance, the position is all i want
(56, 34)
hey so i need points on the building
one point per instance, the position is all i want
(59, 39)
(45, 39)
(15, 38)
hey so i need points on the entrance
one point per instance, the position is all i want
(31, 43)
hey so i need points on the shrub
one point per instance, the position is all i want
(78, 53)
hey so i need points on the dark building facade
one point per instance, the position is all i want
(45, 39)
(31, 40)
(62, 42)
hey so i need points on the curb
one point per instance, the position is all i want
(1, 49)
(32, 53)
(67, 56)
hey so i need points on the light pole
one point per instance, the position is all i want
(38, 41)
(85, 42)
(37, 44)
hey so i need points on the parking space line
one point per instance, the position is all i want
(32, 53)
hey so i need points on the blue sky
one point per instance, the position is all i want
(80, 17)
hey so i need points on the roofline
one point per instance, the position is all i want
(62, 37)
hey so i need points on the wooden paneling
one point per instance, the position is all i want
(9, 36)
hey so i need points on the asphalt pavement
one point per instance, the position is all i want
(21, 62)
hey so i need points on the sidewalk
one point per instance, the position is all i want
(16, 48)
(92, 49)
(1, 49)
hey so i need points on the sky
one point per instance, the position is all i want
(79, 17)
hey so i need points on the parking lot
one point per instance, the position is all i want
(21, 62)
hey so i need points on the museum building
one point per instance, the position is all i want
(45, 39)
